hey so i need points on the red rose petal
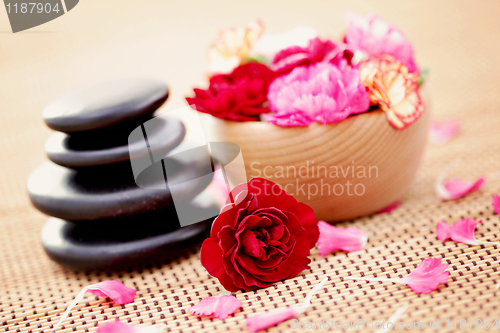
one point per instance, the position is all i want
(210, 257)
(228, 217)
(309, 223)
(277, 232)
(251, 245)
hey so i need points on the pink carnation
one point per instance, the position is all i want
(317, 51)
(374, 37)
(323, 92)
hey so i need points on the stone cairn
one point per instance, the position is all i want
(100, 218)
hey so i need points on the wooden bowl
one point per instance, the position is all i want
(315, 163)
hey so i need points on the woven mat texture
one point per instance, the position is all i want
(458, 41)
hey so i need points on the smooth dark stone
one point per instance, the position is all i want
(203, 202)
(83, 150)
(105, 104)
(108, 246)
(99, 194)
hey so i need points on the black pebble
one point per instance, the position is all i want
(105, 104)
(108, 245)
(113, 146)
(99, 194)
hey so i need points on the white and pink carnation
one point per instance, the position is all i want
(371, 37)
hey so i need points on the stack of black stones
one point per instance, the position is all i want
(101, 219)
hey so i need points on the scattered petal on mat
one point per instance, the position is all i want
(346, 239)
(220, 306)
(457, 188)
(390, 208)
(274, 317)
(115, 327)
(117, 291)
(454, 189)
(442, 132)
(461, 231)
(271, 318)
(118, 327)
(423, 280)
(392, 319)
(496, 203)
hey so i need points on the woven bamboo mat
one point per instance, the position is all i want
(458, 40)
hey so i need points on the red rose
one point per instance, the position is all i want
(240, 96)
(317, 51)
(264, 238)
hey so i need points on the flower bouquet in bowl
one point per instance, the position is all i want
(339, 124)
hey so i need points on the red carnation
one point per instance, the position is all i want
(264, 238)
(317, 51)
(240, 96)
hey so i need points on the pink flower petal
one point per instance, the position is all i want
(288, 120)
(390, 208)
(461, 231)
(456, 188)
(317, 50)
(427, 276)
(118, 327)
(115, 327)
(220, 306)
(117, 291)
(346, 239)
(496, 203)
(442, 132)
(274, 317)
(270, 318)
(423, 280)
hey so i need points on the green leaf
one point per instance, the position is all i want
(258, 58)
(424, 73)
